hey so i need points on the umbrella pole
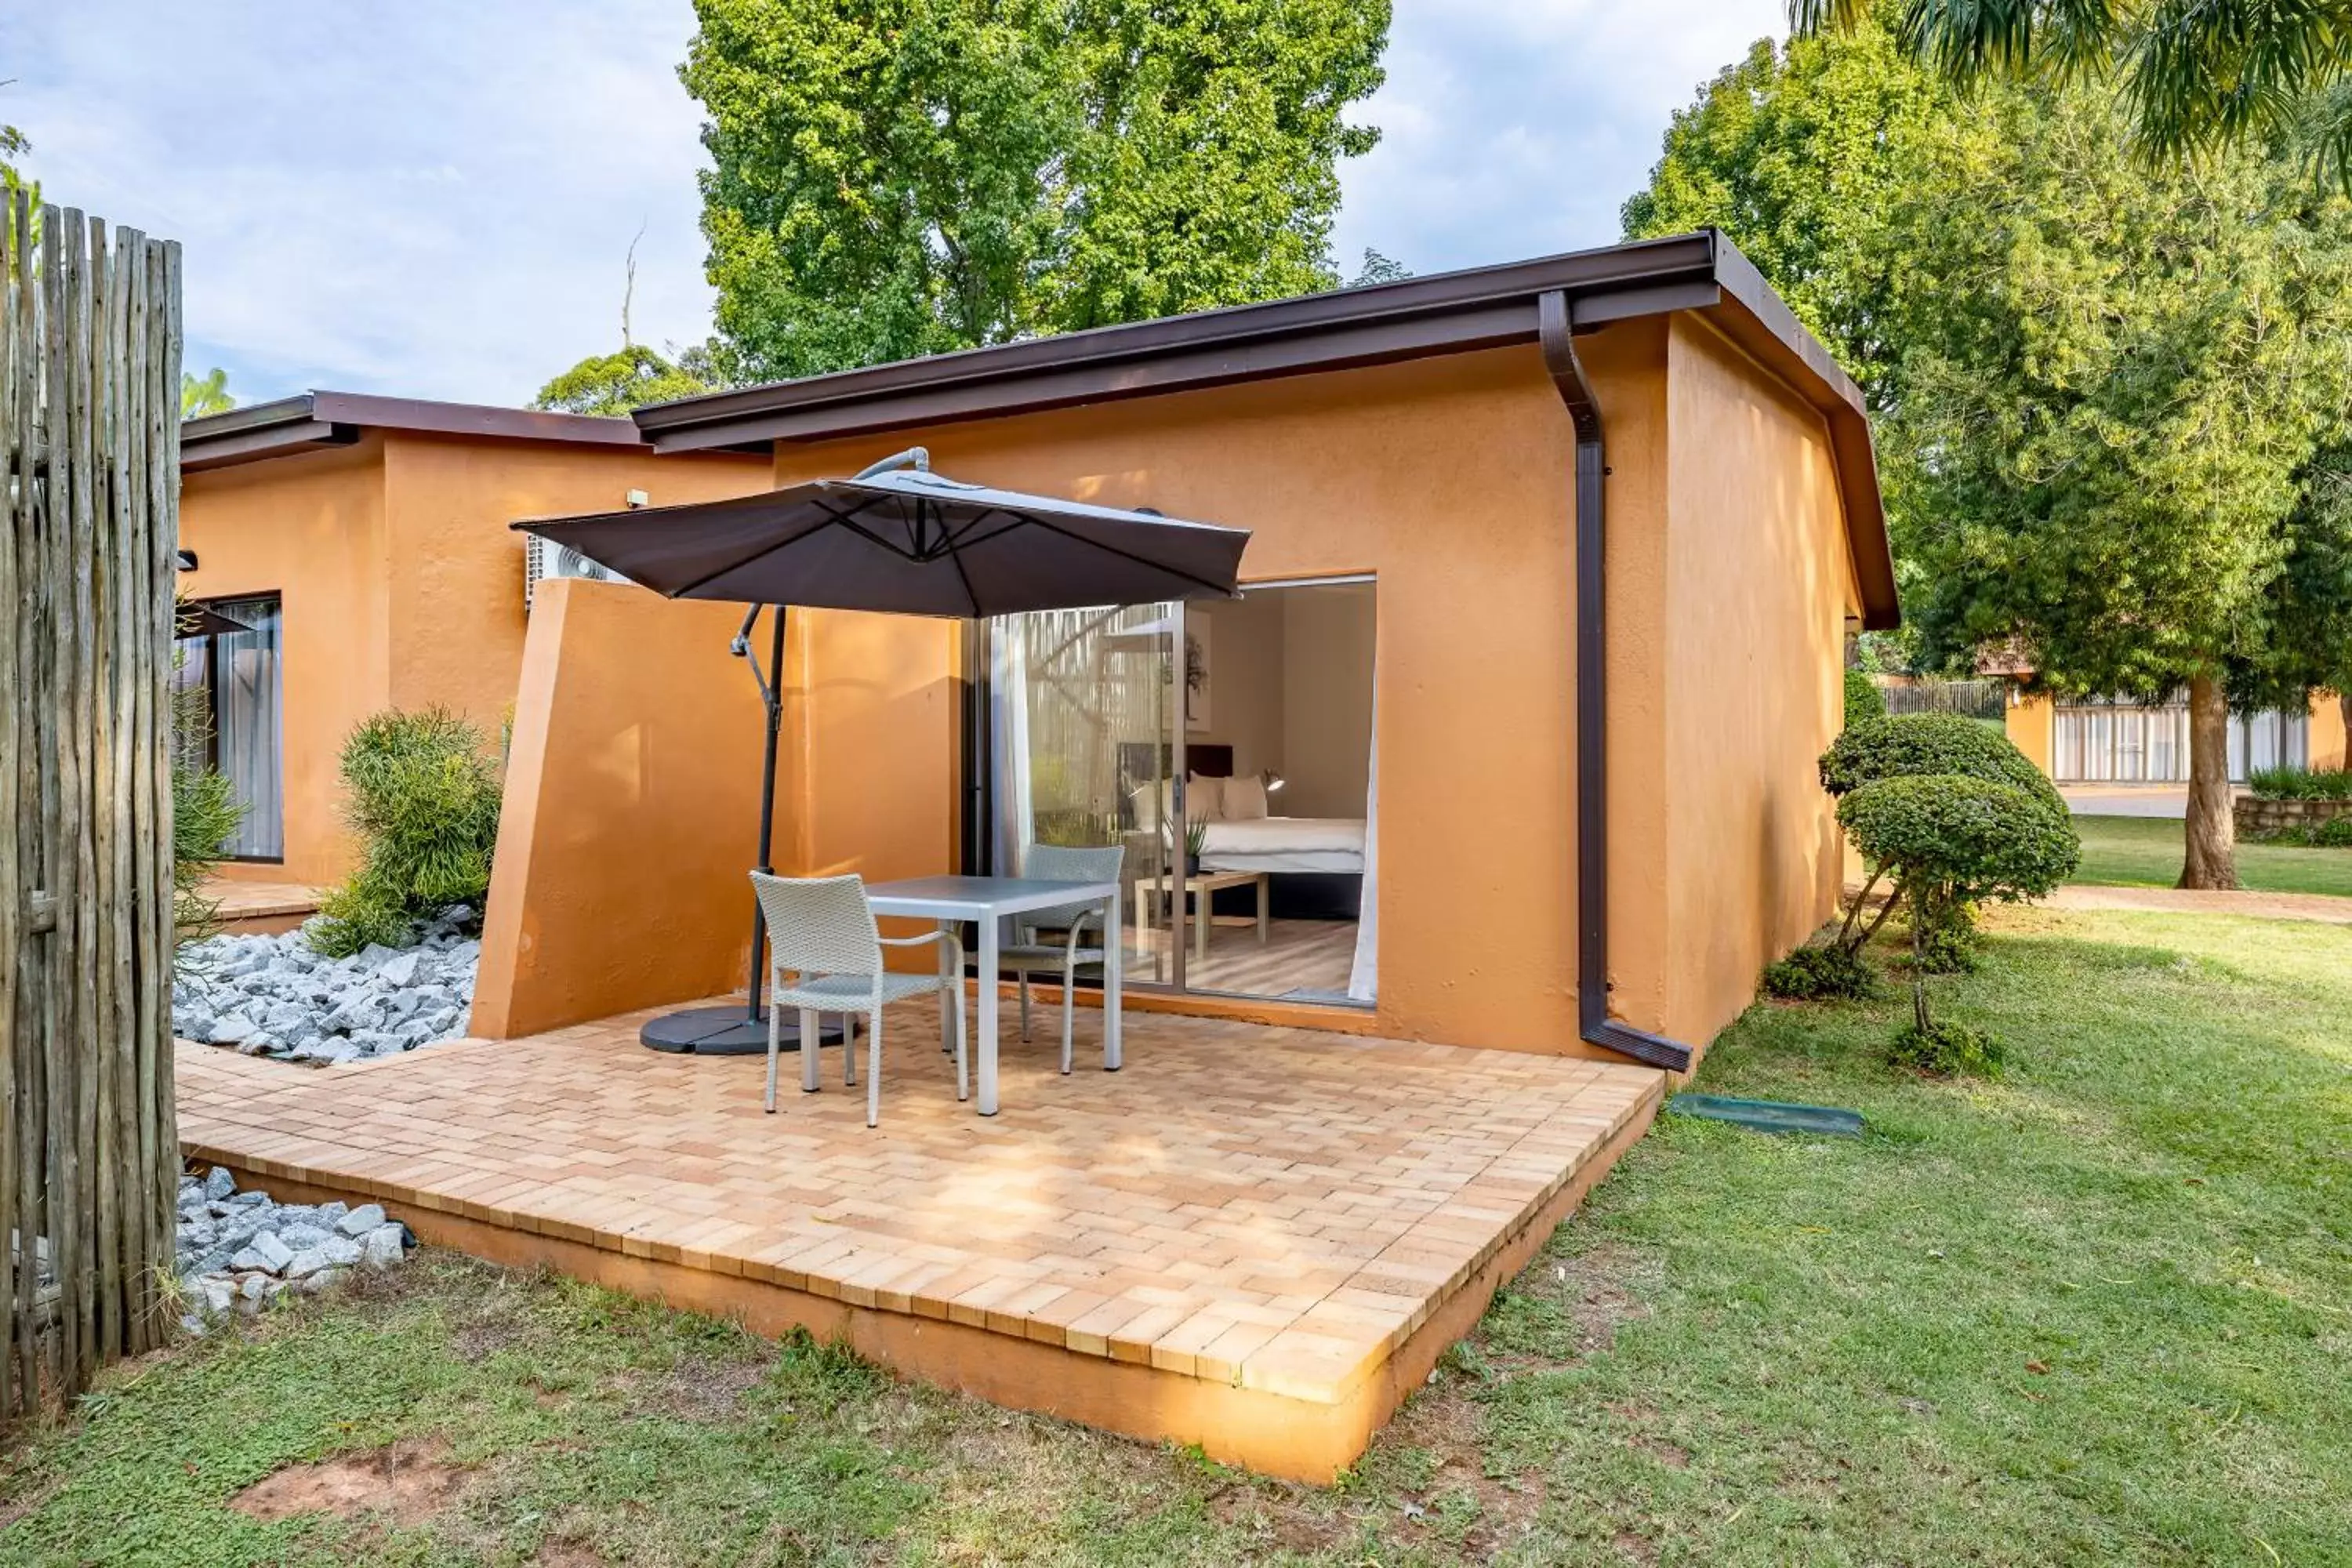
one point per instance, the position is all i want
(772, 694)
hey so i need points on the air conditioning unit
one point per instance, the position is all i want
(544, 558)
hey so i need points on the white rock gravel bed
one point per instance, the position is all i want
(273, 996)
(239, 1251)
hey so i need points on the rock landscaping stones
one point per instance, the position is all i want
(272, 996)
(240, 1251)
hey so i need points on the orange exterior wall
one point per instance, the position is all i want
(2327, 737)
(400, 583)
(1450, 481)
(2031, 723)
(632, 800)
(311, 530)
(1741, 638)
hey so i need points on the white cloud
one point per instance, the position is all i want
(434, 198)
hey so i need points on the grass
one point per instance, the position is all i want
(2144, 852)
(2098, 1310)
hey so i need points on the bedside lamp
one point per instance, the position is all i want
(1274, 780)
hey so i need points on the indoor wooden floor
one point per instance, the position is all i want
(1310, 956)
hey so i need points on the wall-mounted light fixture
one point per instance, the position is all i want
(1274, 780)
(186, 561)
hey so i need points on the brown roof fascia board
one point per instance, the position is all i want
(1454, 312)
(1446, 313)
(317, 420)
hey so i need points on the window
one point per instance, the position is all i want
(240, 675)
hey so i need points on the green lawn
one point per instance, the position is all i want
(2097, 1311)
(2144, 852)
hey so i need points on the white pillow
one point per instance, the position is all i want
(1244, 799)
(1204, 798)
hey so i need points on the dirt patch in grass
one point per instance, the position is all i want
(567, 1554)
(706, 1388)
(409, 1481)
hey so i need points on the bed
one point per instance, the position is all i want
(1326, 844)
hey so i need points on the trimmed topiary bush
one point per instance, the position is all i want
(1932, 743)
(1818, 973)
(423, 797)
(1950, 842)
(1863, 698)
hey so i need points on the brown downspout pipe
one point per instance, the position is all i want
(1555, 331)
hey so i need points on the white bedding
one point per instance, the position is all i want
(1285, 844)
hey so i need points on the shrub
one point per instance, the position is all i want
(2301, 784)
(1948, 945)
(1924, 744)
(1945, 1048)
(1932, 743)
(2335, 833)
(1951, 842)
(1863, 698)
(423, 797)
(1814, 974)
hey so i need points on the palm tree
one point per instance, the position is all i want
(2195, 73)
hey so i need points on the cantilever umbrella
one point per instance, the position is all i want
(900, 539)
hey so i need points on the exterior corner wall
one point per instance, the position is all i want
(1758, 587)
(630, 812)
(2329, 748)
(2030, 721)
(311, 529)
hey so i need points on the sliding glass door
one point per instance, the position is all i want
(1085, 748)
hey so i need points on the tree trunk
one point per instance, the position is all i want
(2213, 854)
(2344, 706)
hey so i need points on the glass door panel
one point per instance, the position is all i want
(1083, 716)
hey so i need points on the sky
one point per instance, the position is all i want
(436, 199)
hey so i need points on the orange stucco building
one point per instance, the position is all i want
(1587, 844)
(366, 539)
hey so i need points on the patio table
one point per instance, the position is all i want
(986, 900)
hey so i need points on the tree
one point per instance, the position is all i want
(1379, 269)
(207, 394)
(2305, 645)
(905, 177)
(2194, 75)
(630, 377)
(2116, 379)
(2097, 383)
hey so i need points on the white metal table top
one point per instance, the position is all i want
(979, 898)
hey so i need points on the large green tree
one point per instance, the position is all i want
(629, 377)
(206, 394)
(900, 177)
(2100, 385)
(2193, 75)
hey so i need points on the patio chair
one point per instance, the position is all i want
(822, 930)
(1031, 952)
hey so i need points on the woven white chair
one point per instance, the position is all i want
(1031, 953)
(821, 931)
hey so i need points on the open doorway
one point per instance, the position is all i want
(1280, 732)
(1229, 748)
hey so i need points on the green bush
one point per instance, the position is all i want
(2335, 833)
(422, 795)
(1932, 743)
(1946, 1049)
(1951, 842)
(2301, 784)
(1863, 698)
(1816, 973)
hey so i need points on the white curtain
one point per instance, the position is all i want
(245, 725)
(1016, 824)
(1363, 976)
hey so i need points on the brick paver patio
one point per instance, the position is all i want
(1277, 1212)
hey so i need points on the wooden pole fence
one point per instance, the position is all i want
(90, 387)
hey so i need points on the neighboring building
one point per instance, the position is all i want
(365, 541)
(1425, 464)
(2092, 742)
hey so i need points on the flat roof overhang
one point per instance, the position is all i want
(1452, 313)
(314, 421)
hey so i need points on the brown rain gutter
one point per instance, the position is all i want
(1555, 331)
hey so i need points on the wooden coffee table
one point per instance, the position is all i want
(1201, 887)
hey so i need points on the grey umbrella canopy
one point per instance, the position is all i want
(901, 540)
(196, 620)
(908, 542)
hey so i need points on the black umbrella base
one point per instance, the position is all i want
(725, 1031)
